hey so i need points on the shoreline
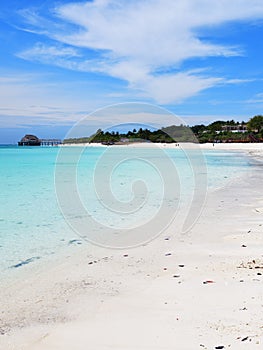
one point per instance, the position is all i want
(253, 149)
(160, 298)
(220, 145)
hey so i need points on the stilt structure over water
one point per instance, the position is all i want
(32, 140)
(50, 142)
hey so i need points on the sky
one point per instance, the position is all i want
(63, 60)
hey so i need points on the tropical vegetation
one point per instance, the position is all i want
(217, 131)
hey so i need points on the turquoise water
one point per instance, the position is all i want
(32, 226)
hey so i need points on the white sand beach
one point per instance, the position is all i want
(200, 290)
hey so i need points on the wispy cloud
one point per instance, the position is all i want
(258, 98)
(30, 99)
(42, 50)
(134, 41)
(57, 55)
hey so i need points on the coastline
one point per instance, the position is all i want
(254, 148)
(103, 299)
(221, 145)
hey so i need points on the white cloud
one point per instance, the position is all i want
(60, 56)
(177, 87)
(258, 98)
(41, 50)
(30, 99)
(133, 40)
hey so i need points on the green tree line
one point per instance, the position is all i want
(217, 131)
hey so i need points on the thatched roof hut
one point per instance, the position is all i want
(29, 140)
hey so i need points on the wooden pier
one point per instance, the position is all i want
(50, 142)
(32, 140)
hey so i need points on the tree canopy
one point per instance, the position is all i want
(256, 124)
(217, 131)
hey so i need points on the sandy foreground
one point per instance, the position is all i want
(200, 290)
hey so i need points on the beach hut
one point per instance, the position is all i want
(29, 140)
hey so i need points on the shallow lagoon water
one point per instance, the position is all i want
(32, 226)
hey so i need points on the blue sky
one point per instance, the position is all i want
(61, 60)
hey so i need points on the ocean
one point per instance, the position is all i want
(56, 197)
